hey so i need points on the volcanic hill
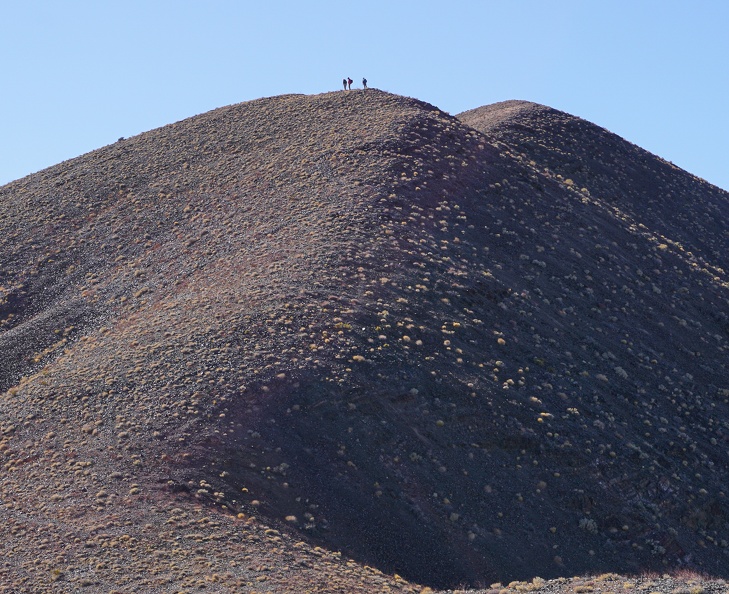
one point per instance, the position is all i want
(308, 343)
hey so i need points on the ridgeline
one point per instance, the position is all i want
(307, 343)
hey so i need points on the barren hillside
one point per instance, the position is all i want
(311, 342)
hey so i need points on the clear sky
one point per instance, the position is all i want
(78, 74)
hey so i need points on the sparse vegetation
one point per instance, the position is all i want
(458, 349)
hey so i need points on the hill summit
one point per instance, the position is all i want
(251, 345)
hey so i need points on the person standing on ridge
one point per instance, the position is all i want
(349, 82)
(344, 82)
(364, 83)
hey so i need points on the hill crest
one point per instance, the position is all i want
(423, 340)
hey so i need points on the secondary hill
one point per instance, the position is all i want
(459, 349)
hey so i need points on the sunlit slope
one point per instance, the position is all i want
(447, 351)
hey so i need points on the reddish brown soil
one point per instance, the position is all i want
(307, 343)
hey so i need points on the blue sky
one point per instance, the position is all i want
(78, 74)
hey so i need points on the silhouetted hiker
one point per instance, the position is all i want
(344, 82)
(349, 82)
(364, 83)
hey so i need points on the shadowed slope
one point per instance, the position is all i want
(652, 193)
(356, 316)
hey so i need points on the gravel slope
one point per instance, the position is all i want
(462, 350)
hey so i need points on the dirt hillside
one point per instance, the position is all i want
(316, 343)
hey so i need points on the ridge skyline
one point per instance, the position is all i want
(349, 330)
(81, 76)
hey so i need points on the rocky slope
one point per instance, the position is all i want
(249, 346)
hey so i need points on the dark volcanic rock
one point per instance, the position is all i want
(459, 349)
